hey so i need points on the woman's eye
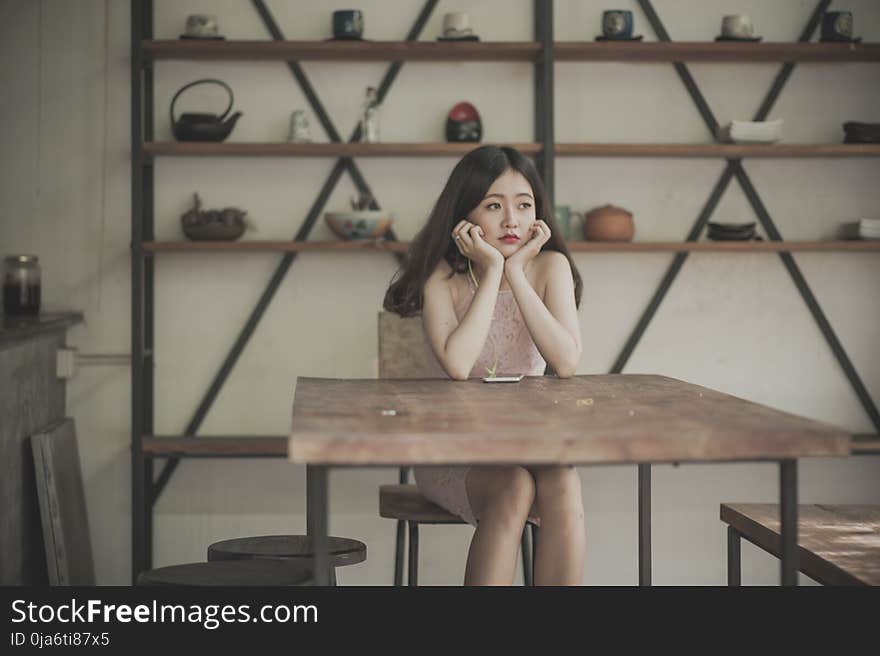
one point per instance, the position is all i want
(493, 206)
(525, 205)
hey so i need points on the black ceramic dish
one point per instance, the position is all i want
(714, 237)
(750, 39)
(857, 132)
(731, 231)
(620, 38)
(732, 227)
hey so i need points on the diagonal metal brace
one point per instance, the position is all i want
(344, 163)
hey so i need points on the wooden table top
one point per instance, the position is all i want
(591, 419)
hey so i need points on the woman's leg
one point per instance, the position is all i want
(559, 559)
(501, 498)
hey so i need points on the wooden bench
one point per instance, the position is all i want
(837, 545)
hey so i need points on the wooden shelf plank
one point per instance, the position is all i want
(232, 445)
(460, 51)
(651, 51)
(403, 246)
(277, 246)
(227, 149)
(439, 149)
(711, 51)
(727, 246)
(716, 150)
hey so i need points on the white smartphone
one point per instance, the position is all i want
(503, 379)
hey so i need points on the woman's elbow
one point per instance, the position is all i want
(456, 374)
(565, 372)
(567, 369)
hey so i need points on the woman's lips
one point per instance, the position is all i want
(510, 239)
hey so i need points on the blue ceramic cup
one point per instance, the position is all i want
(617, 24)
(837, 26)
(348, 24)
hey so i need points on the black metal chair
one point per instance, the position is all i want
(407, 505)
(403, 353)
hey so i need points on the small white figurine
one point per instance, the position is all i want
(299, 128)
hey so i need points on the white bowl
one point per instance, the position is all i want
(752, 131)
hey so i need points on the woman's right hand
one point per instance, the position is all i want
(469, 239)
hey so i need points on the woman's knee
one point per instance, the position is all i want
(505, 491)
(558, 488)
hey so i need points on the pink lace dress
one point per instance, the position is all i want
(511, 350)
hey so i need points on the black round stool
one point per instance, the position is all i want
(341, 551)
(252, 573)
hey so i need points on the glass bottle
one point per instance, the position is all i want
(21, 285)
(370, 117)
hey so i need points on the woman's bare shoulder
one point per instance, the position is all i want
(545, 263)
(440, 279)
(547, 260)
(442, 269)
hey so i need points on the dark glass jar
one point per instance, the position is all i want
(21, 285)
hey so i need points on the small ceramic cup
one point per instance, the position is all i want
(837, 26)
(456, 24)
(566, 220)
(737, 26)
(348, 24)
(201, 26)
(617, 23)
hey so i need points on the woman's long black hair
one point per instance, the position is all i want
(465, 189)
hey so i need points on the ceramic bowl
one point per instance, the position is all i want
(227, 224)
(365, 224)
(731, 231)
(735, 228)
(756, 132)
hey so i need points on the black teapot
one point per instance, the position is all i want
(203, 127)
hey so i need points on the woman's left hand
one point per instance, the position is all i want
(540, 234)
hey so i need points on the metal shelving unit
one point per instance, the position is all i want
(148, 448)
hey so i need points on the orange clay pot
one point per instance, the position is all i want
(608, 223)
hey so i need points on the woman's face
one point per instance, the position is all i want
(506, 213)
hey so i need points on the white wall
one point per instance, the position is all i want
(732, 322)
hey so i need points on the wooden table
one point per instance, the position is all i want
(600, 419)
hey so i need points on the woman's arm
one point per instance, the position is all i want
(458, 345)
(554, 327)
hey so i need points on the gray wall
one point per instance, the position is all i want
(732, 322)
